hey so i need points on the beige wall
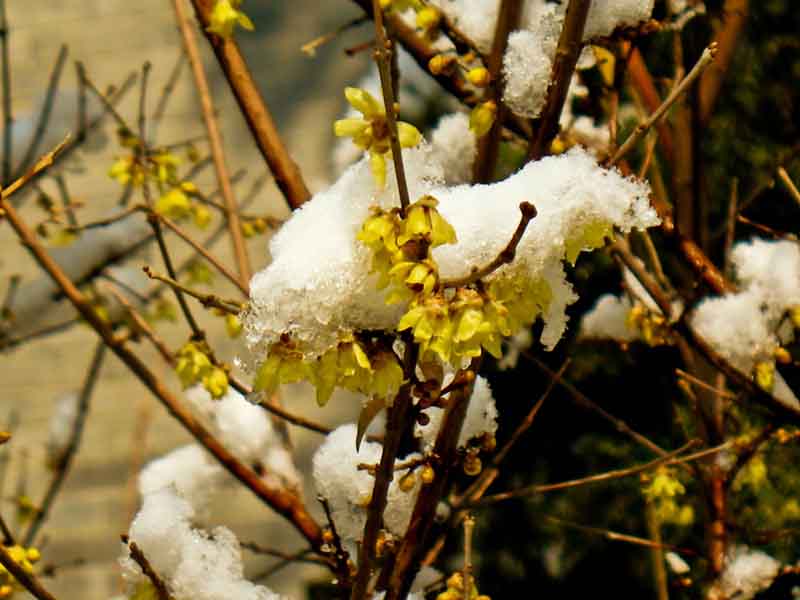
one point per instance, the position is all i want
(114, 37)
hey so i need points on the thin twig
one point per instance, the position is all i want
(383, 56)
(569, 48)
(243, 265)
(705, 60)
(506, 255)
(65, 460)
(8, 116)
(620, 537)
(8, 536)
(166, 95)
(310, 48)
(581, 399)
(207, 300)
(789, 184)
(140, 559)
(397, 421)
(47, 108)
(237, 281)
(670, 458)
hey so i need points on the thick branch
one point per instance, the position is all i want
(215, 140)
(567, 52)
(445, 451)
(735, 17)
(255, 110)
(488, 145)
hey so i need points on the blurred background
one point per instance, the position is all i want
(126, 427)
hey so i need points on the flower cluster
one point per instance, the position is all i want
(25, 558)
(663, 491)
(366, 367)
(178, 200)
(194, 366)
(370, 132)
(456, 589)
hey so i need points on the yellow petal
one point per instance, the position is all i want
(408, 134)
(363, 102)
(377, 164)
(349, 127)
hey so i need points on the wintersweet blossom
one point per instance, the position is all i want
(225, 16)
(321, 286)
(370, 132)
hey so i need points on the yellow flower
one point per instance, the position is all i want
(400, 5)
(592, 235)
(233, 325)
(215, 381)
(765, 375)
(126, 171)
(423, 220)
(165, 167)
(199, 273)
(25, 558)
(201, 215)
(192, 365)
(479, 76)
(442, 63)
(175, 205)
(482, 118)
(225, 16)
(371, 131)
(284, 364)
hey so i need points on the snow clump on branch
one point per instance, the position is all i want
(195, 563)
(348, 489)
(529, 57)
(319, 287)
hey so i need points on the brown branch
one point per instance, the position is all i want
(488, 145)
(789, 184)
(254, 109)
(569, 48)
(705, 60)
(207, 300)
(47, 108)
(242, 284)
(27, 580)
(735, 17)
(383, 57)
(140, 559)
(620, 537)
(8, 116)
(667, 459)
(65, 460)
(642, 82)
(243, 265)
(397, 422)
(506, 255)
(445, 451)
(288, 505)
(582, 400)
